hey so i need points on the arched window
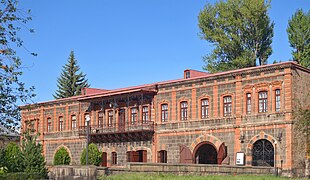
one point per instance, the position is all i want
(204, 108)
(227, 105)
(262, 101)
(164, 112)
(184, 107)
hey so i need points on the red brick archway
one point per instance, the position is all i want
(217, 144)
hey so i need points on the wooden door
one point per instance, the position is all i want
(104, 159)
(144, 156)
(185, 155)
(121, 120)
(221, 155)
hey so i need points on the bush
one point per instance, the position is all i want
(20, 176)
(94, 155)
(12, 158)
(62, 157)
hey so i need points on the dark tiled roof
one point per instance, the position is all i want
(6, 132)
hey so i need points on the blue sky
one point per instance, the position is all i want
(121, 43)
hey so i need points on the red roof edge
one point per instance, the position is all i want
(88, 91)
(190, 73)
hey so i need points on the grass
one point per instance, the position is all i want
(144, 176)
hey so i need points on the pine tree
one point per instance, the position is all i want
(71, 81)
(33, 159)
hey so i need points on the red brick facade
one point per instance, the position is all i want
(203, 118)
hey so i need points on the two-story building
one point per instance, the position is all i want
(202, 118)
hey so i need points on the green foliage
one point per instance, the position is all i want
(70, 81)
(2, 160)
(11, 88)
(20, 176)
(240, 31)
(13, 158)
(299, 37)
(62, 157)
(94, 155)
(33, 160)
(150, 176)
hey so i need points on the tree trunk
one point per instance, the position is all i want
(307, 169)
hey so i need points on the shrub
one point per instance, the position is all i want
(12, 158)
(62, 157)
(94, 155)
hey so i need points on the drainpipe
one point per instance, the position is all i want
(275, 158)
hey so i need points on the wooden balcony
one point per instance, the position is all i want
(119, 133)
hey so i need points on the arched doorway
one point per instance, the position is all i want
(263, 153)
(206, 154)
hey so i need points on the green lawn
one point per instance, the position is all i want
(143, 176)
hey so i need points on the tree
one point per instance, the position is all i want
(299, 37)
(33, 160)
(240, 31)
(94, 155)
(12, 158)
(70, 81)
(62, 157)
(301, 116)
(11, 88)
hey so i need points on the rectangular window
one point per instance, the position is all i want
(248, 103)
(100, 119)
(183, 110)
(262, 101)
(49, 125)
(32, 125)
(164, 112)
(134, 115)
(73, 122)
(114, 158)
(278, 100)
(61, 124)
(227, 105)
(162, 156)
(110, 118)
(145, 114)
(204, 108)
(86, 118)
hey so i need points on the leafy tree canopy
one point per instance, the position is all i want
(12, 158)
(62, 157)
(94, 155)
(299, 37)
(12, 89)
(240, 31)
(71, 81)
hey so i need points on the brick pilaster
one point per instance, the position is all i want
(215, 99)
(194, 103)
(173, 105)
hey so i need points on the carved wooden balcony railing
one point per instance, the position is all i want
(119, 132)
